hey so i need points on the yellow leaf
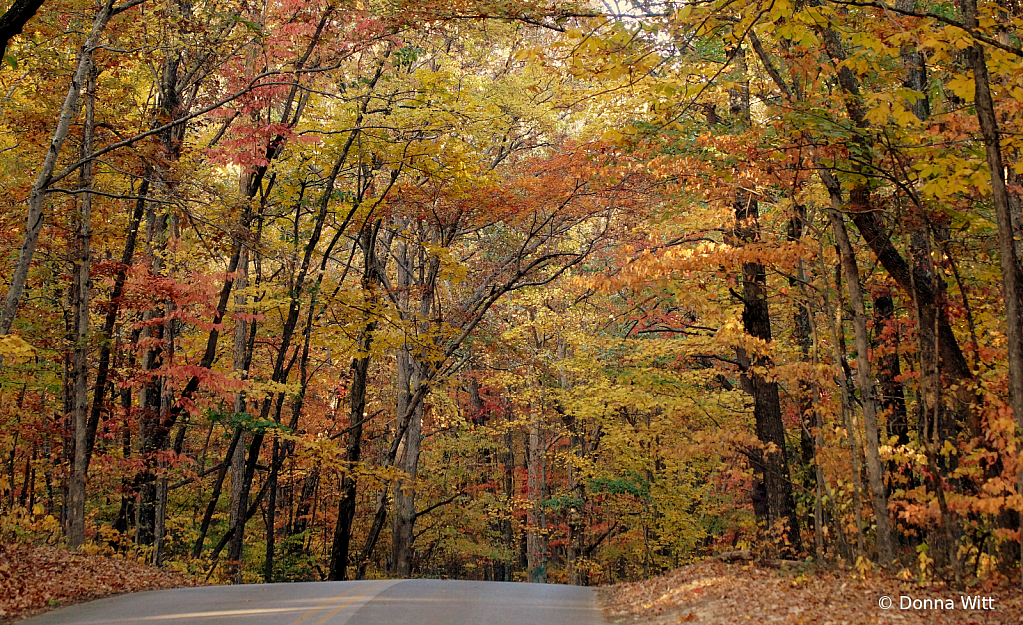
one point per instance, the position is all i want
(14, 348)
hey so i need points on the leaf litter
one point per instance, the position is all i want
(36, 580)
(717, 593)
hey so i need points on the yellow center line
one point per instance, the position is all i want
(350, 601)
(365, 588)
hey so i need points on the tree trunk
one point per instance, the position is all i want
(536, 519)
(413, 375)
(1012, 276)
(404, 516)
(304, 509)
(241, 358)
(215, 496)
(508, 479)
(801, 332)
(844, 373)
(271, 514)
(865, 382)
(153, 436)
(771, 464)
(83, 262)
(37, 196)
(14, 19)
(891, 396)
(357, 402)
(379, 517)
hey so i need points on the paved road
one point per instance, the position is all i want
(388, 602)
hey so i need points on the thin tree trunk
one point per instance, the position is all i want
(76, 486)
(304, 509)
(271, 515)
(891, 396)
(801, 333)
(536, 531)
(241, 359)
(417, 375)
(838, 350)
(1012, 277)
(508, 479)
(204, 526)
(379, 517)
(865, 382)
(37, 196)
(357, 403)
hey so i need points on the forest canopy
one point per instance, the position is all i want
(513, 289)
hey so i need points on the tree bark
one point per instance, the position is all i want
(13, 21)
(271, 513)
(404, 515)
(844, 373)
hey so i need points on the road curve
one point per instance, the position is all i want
(384, 602)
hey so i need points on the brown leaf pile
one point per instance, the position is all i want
(36, 580)
(714, 593)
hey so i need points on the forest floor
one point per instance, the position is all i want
(716, 593)
(33, 580)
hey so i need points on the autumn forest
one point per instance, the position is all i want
(513, 289)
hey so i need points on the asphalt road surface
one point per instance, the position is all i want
(387, 602)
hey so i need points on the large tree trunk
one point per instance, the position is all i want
(771, 463)
(153, 436)
(404, 515)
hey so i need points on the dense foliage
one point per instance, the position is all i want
(509, 290)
